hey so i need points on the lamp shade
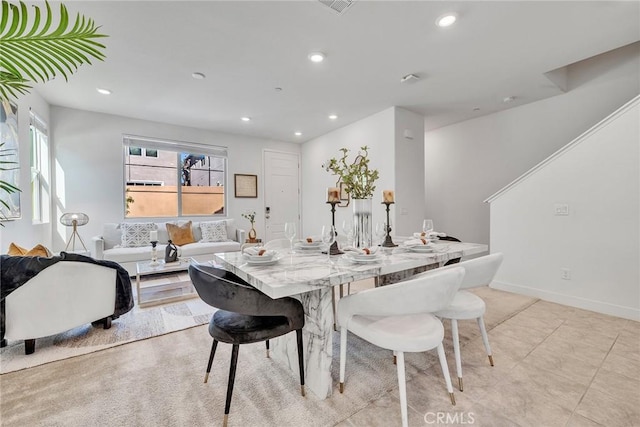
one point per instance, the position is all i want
(69, 218)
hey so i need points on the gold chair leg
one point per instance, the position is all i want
(341, 387)
(225, 420)
(302, 391)
(395, 360)
(206, 377)
(460, 383)
(491, 360)
(453, 399)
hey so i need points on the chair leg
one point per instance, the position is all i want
(343, 356)
(402, 388)
(395, 358)
(445, 372)
(485, 338)
(300, 359)
(267, 342)
(333, 304)
(232, 377)
(456, 350)
(213, 351)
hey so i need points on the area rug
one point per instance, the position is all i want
(138, 324)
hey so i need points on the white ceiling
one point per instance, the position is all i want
(248, 48)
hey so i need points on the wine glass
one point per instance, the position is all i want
(381, 232)
(290, 232)
(427, 227)
(328, 237)
(347, 227)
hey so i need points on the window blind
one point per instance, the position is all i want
(177, 146)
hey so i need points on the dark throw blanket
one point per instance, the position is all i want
(17, 270)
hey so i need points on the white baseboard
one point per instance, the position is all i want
(571, 300)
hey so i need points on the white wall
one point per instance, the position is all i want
(378, 133)
(467, 162)
(409, 172)
(89, 156)
(23, 232)
(599, 241)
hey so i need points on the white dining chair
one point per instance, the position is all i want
(398, 318)
(467, 305)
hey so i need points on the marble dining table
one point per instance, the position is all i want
(309, 276)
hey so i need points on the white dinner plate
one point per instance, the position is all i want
(420, 248)
(308, 246)
(369, 259)
(260, 257)
(269, 261)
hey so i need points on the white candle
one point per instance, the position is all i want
(387, 196)
(333, 195)
(153, 236)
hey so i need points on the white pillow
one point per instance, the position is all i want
(214, 231)
(136, 234)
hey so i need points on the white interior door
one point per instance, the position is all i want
(281, 192)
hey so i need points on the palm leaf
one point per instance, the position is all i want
(33, 50)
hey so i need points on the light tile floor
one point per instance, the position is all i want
(554, 366)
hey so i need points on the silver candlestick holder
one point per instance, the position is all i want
(154, 254)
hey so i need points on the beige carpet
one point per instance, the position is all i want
(138, 324)
(159, 381)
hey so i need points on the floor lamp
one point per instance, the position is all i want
(74, 220)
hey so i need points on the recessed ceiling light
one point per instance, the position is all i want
(198, 76)
(446, 20)
(103, 91)
(333, 117)
(246, 119)
(316, 56)
(298, 134)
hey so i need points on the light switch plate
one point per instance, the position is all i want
(561, 209)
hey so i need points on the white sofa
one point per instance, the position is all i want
(107, 246)
(60, 298)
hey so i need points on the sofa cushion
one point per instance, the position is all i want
(136, 234)
(142, 253)
(202, 248)
(180, 234)
(214, 231)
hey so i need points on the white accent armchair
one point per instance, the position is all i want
(60, 297)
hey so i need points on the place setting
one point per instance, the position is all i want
(425, 241)
(258, 255)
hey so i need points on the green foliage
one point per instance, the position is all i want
(357, 176)
(251, 216)
(35, 51)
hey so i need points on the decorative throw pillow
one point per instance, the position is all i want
(37, 250)
(214, 231)
(180, 234)
(136, 234)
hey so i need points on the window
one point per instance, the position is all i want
(40, 176)
(173, 179)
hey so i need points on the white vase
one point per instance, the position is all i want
(362, 226)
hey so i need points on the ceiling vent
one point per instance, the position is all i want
(338, 7)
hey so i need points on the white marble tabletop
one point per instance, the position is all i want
(302, 271)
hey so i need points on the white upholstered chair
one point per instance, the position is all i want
(397, 317)
(466, 305)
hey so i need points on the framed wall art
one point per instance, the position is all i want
(245, 185)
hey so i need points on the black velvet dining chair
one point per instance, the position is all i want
(451, 239)
(245, 315)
